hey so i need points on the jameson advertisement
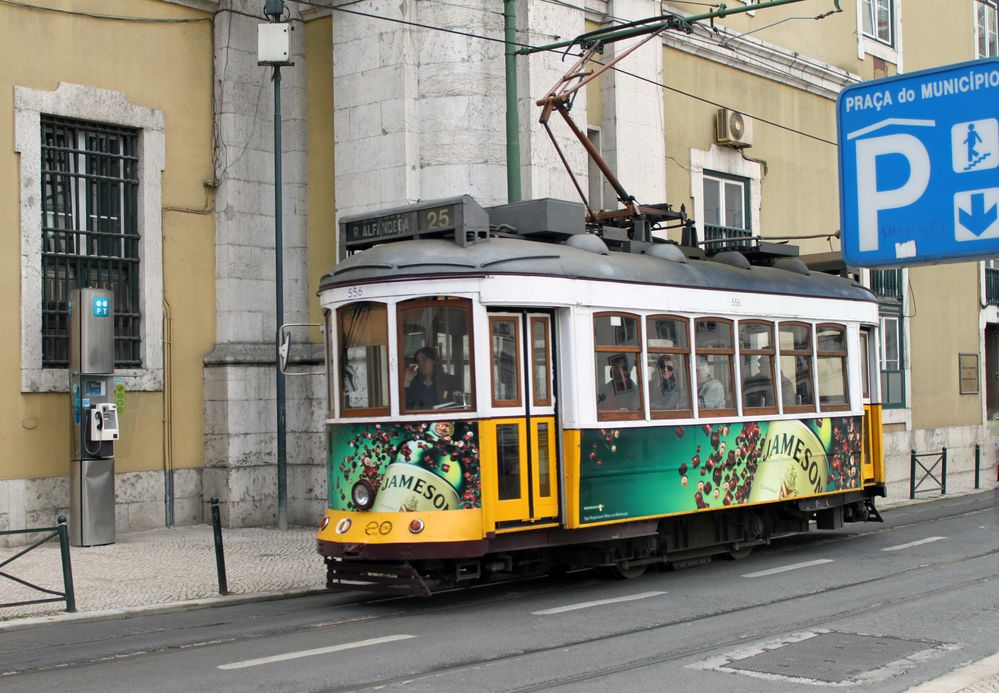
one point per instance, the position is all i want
(411, 466)
(637, 472)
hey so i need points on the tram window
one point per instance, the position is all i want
(715, 351)
(505, 358)
(435, 359)
(668, 366)
(541, 369)
(332, 388)
(756, 350)
(617, 346)
(795, 345)
(865, 363)
(362, 334)
(830, 343)
(508, 461)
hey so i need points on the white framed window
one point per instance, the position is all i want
(879, 30)
(726, 192)
(878, 21)
(143, 370)
(986, 28)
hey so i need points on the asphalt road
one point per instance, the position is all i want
(878, 607)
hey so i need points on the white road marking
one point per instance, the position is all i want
(311, 653)
(927, 540)
(793, 566)
(599, 602)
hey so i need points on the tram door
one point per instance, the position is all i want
(524, 433)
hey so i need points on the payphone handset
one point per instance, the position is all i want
(103, 423)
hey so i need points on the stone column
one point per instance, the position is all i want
(239, 373)
(633, 119)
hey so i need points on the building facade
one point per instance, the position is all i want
(140, 157)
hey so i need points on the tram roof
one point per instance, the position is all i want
(441, 258)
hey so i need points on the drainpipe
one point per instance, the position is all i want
(168, 491)
(512, 115)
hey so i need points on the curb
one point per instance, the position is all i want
(152, 609)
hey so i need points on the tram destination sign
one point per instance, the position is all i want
(919, 166)
(458, 215)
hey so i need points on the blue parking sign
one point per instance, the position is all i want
(919, 166)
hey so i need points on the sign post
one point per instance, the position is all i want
(919, 166)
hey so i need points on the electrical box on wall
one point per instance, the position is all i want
(733, 128)
(274, 44)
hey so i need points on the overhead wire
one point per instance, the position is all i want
(457, 32)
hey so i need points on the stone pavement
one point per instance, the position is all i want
(163, 568)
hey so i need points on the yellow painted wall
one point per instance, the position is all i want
(321, 222)
(800, 194)
(163, 66)
(945, 302)
(944, 298)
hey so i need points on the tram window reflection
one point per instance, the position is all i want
(435, 355)
(668, 367)
(797, 383)
(830, 343)
(617, 348)
(362, 335)
(504, 350)
(756, 348)
(715, 352)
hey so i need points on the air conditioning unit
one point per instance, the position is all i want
(733, 128)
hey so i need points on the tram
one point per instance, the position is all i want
(510, 392)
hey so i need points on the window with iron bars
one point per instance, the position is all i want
(90, 230)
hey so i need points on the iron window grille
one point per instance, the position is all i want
(992, 282)
(90, 230)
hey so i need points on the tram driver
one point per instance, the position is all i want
(620, 393)
(427, 386)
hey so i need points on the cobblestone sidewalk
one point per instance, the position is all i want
(164, 566)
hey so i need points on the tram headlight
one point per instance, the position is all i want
(363, 494)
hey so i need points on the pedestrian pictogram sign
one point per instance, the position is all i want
(919, 166)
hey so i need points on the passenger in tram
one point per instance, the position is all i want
(710, 392)
(427, 386)
(668, 395)
(620, 393)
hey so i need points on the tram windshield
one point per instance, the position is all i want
(435, 355)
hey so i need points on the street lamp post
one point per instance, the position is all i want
(273, 49)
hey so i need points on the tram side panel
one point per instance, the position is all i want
(630, 473)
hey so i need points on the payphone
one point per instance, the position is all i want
(94, 418)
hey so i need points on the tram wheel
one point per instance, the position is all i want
(631, 572)
(739, 554)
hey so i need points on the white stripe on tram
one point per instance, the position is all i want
(918, 542)
(784, 569)
(599, 602)
(312, 653)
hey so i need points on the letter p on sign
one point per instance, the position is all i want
(870, 200)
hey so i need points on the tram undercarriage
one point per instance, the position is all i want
(622, 551)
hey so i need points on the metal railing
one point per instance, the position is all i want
(992, 286)
(887, 283)
(928, 472)
(69, 596)
(716, 237)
